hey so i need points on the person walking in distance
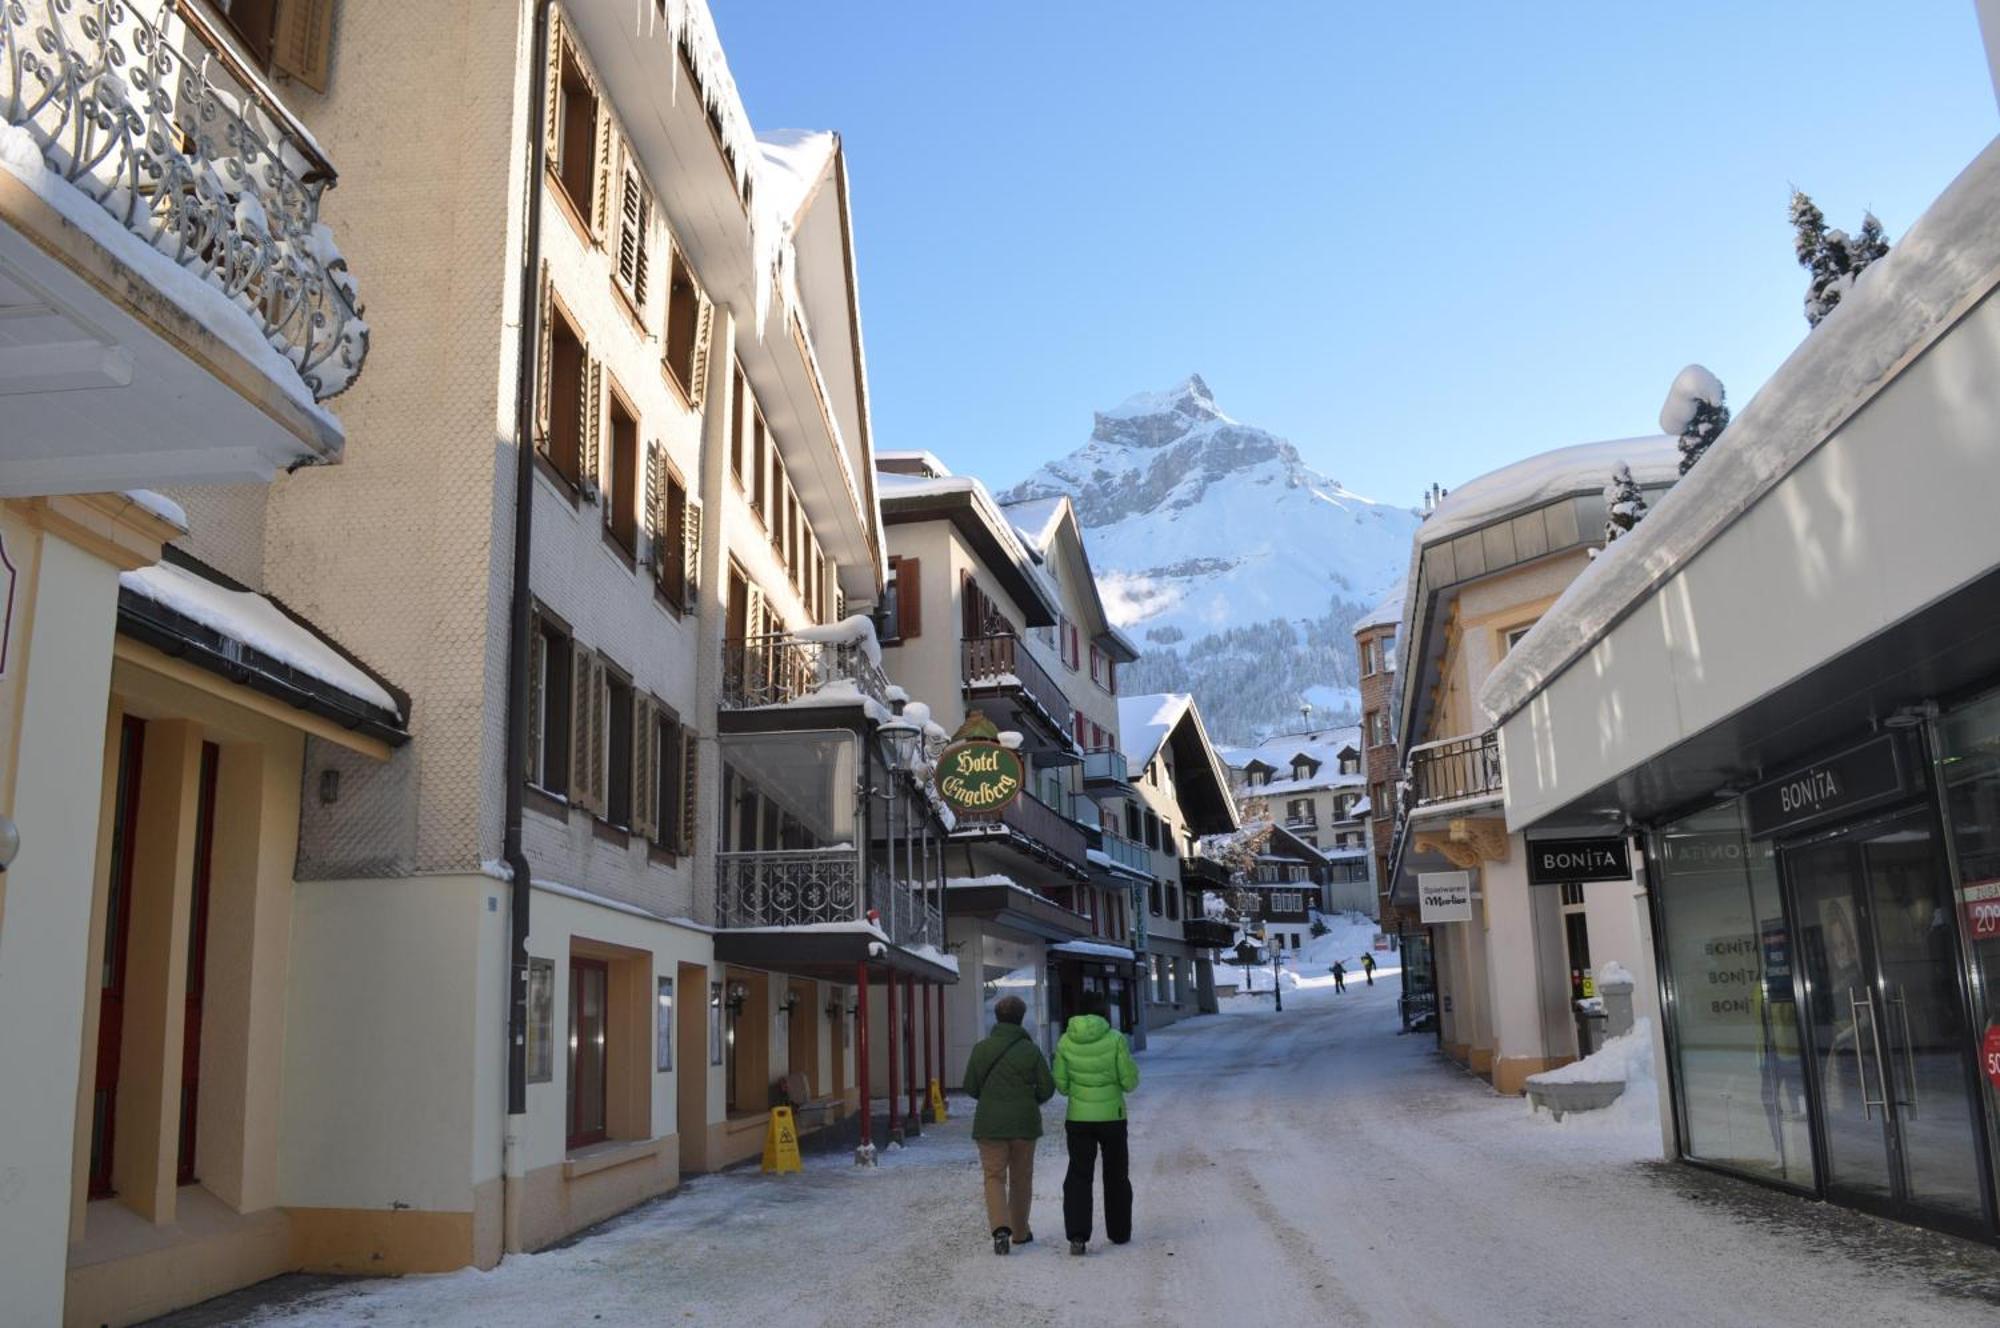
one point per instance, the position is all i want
(1368, 968)
(1339, 976)
(1010, 1080)
(1094, 1070)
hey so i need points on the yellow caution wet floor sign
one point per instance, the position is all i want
(781, 1142)
(937, 1102)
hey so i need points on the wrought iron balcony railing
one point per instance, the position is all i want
(1455, 769)
(775, 669)
(1004, 662)
(154, 118)
(814, 886)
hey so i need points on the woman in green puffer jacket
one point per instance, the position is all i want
(1094, 1070)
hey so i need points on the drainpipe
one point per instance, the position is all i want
(520, 624)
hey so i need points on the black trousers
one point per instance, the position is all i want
(1085, 1139)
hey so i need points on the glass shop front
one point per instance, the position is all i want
(1829, 948)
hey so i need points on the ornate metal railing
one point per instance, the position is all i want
(1004, 662)
(774, 669)
(1454, 769)
(159, 123)
(808, 886)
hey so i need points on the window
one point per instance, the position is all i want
(292, 37)
(1303, 769)
(575, 136)
(618, 750)
(1515, 635)
(1299, 811)
(1071, 645)
(684, 327)
(760, 463)
(1258, 776)
(1173, 905)
(675, 523)
(1097, 663)
(541, 1020)
(663, 1025)
(672, 783)
(1350, 763)
(1131, 822)
(1378, 728)
(588, 998)
(568, 409)
(903, 609)
(549, 708)
(621, 513)
(1156, 901)
(1287, 901)
(739, 425)
(1153, 834)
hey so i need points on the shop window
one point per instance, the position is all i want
(1740, 1077)
(589, 1046)
(541, 1020)
(1969, 739)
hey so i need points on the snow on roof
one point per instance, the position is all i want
(1901, 303)
(1692, 386)
(1387, 613)
(1144, 723)
(1092, 949)
(794, 162)
(254, 621)
(1036, 518)
(1323, 746)
(1582, 468)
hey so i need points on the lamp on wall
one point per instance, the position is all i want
(834, 1009)
(736, 995)
(789, 1004)
(902, 743)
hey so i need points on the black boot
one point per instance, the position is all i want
(1002, 1238)
(1076, 1247)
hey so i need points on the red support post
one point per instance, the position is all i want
(861, 1056)
(895, 1088)
(943, 1069)
(910, 1045)
(929, 1074)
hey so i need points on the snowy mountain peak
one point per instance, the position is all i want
(1240, 568)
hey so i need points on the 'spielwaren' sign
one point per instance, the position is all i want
(979, 778)
(1444, 896)
(1570, 861)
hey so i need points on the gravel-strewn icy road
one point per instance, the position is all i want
(1308, 1167)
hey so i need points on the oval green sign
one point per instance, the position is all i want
(979, 777)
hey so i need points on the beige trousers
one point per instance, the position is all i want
(1009, 1165)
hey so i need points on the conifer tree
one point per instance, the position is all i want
(1832, 258)
(1627, 503)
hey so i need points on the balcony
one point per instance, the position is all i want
(160, 218)
(1205, 873)
(1105, 769)
(1208, 933)
(781, 668)
(1037, 830)
(1017, 692)
(1455, 771)
(818, 888)
(1128, 853)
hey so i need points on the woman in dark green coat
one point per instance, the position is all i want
(1011, 1081)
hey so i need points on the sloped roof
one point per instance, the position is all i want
(1148, 723)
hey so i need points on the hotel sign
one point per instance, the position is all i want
(1570, 861)
(1853, 780)
(979, 778)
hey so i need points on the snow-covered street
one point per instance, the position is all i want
(1312, 1166)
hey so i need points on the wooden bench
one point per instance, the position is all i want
(811, 1113)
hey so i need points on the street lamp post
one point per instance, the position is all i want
(1277, 972)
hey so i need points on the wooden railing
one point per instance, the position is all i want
(1004, 662)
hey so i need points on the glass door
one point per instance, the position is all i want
(1888, 1028)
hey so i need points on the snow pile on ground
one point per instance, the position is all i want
(1626, 1059)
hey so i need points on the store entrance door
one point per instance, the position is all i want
(1891, 1043)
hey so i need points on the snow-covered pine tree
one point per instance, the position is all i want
(1627, 504)
(1833, 258)
(1695, 411)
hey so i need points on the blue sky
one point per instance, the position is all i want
(1420, 241)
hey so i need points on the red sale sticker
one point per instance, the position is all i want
(1980, 904)
(1989, 1055)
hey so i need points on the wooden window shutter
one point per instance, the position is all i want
(690, 553)
(593, 423)
(544, 354)
(582, 714)
(690, 769)
(910, 597)
(703, 335)
(552, 93)
(303, 43)
(635, 217)
(538, 664)
(606, 133)
(600, 738)
(645, 767)
(657, 533)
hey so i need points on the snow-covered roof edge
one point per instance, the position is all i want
(1947, 261)
(1388, 612)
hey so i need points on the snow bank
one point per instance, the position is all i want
(1692, 386)
(254, 621)
(1626, 1059)
(1950, 256)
